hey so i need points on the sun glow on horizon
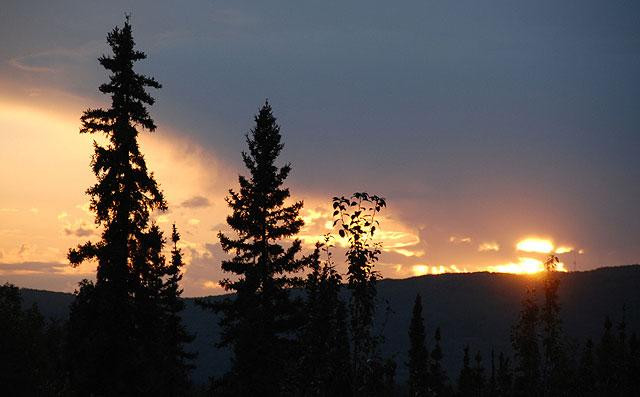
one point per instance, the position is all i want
(535, 244)
(524, 266)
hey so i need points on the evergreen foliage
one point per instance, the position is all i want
(30, 349)
(418, 354)
(118, 325)
(260, 320)
(324, 369)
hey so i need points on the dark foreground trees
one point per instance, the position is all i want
(418, 363)
(124, 336)
(259, 323)
(30, 349)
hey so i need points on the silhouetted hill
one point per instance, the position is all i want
(477, 309)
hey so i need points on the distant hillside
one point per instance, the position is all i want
(477, 309)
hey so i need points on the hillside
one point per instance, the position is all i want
(472, 308)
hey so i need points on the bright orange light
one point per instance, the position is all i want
(524, 266)
(420, 270)
(563, 249)
(535, 244)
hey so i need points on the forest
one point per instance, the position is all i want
(294, 324)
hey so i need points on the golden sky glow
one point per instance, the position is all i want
(535, 244)
(36, 233)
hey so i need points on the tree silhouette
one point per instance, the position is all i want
(504, 377)
(437, 375)
(586, 380)
(324, 368)
(259, 321)
(524, 337)
(30, 350)
(117, 324)
(554, 369)
(355, 217)
(465, 379)
(418, 363)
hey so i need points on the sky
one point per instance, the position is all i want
(498, 131)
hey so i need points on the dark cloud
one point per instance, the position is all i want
(80, 231)
(196, 202)
(486, 119)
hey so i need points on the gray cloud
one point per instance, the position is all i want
(494, 119)
(79, 231)
(196, 202)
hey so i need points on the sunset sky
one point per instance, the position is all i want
(498, 134)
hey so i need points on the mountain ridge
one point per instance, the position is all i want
(475, 309)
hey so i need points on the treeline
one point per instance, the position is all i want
(294, 324)
(545, 361)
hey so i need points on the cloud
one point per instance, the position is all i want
(421, 270)
(459, 240)
(78, 231)
(196, 202)
(535, 244)
(564, 249)
(524, 265)
(489, 246)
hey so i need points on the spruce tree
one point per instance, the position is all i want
(524, 337)
(479, 380)
(437, 375)
(606, 359)
(418, 363)
(634, 365)
(29, 349)
(586, 379)
(324, 368)
(259, 321)
(504, 376)
(116, 323)
(466, 377)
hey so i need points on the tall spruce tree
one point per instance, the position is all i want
(524, 338)
(418, 363)
(258, 323)
(116, 323)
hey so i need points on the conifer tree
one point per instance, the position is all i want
(478, 376)
(29, 349)
(524, 337)
(466, 377)
(176, 361)
(606, 362)
(437, 374)
(116, 323)
(586, 379)
(324, 368)
(504, 376)
(418, 363)
(634, 365)
(259, 321)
